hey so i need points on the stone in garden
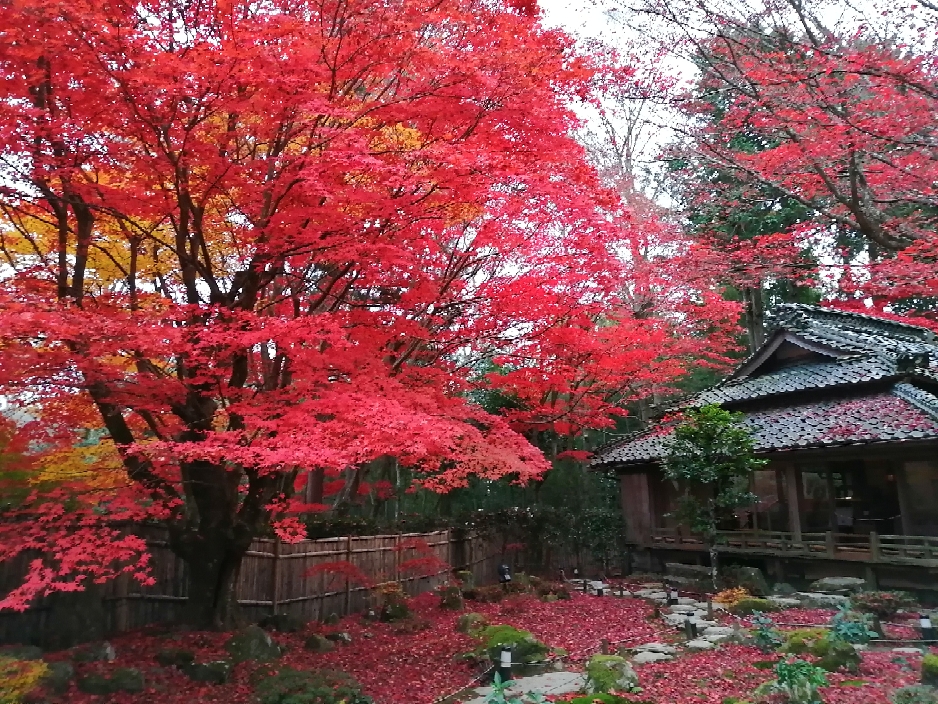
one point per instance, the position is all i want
(175, 657)
(332, 619)
(317, 643)
(678, 569)
(662, 648)
(123, 679)
(703, 623)
(646, 657)
(682, 609)
(783, 589)
(469, 623)
(783, 602)
(252, 643)
(284, 623)
(717, 637)
(96, 652)
(839, 585)
(718, 631)
(652, 586)
(699, 644)
(840, 656)
(216, 672)
(686, 601)
(907, 651)
(21, 652)
(605, 673)
(749, 578)
(674, 620)
(339, 637)
(822, 601)
(57, 677)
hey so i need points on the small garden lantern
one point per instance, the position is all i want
(504, 574)
(690, 629)
(504, 663)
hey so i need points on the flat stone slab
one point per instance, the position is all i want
(687, 601)
(784, 602)
(549, 683)
(907, 651)
(819, 600)
(652, 594)
(717, 637)
(719, 631)
(653, 586)
(682, 609)
(663, 648)
(700, 644)
(646, 657)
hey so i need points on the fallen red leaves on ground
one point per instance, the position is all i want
(422, 667)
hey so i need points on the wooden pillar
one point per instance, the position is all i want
(348, 583)
(637, 507)
(793, 485)
(902, 488)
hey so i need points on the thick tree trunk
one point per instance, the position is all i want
(213, 559)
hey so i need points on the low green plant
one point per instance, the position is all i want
(605, 673)
(751, 605)
(501, 695)
(765, 635)
(525, 648)
(801, 640)
(18, 677)
(289, 686)
(915, 694)
(852, 627)
(601, 698)
(796, 681)
(930, 670)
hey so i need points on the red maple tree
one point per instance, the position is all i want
(254, 241)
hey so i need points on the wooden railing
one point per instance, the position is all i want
(872, 547)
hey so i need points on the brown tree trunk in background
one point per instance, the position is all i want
(314, 485)
(755, 317)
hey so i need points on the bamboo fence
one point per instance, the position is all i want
(275, 577)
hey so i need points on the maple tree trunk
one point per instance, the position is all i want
(213, 559)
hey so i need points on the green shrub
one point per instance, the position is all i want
(525, 648)
(471, 623)
(915, 694)
(836, 655)
(882, 604)
(607, 672)
(289, 686)
(930, 670)
(490, 594)
(801, 640)
(765, 636)
(852, 627)
(450, 597)
(747, 606)
(555, 589)
(601, 699)
(796, 681)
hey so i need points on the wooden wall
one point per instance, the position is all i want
(274, 579)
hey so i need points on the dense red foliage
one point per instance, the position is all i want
(254, 242)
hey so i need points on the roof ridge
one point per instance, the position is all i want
(920, 332)
(923, 400)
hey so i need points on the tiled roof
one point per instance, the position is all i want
(892, 416)
(851, 407)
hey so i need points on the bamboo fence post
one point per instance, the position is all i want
(348, 583)
(275, 578)
(397, 557)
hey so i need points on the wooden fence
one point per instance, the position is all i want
(275, 577)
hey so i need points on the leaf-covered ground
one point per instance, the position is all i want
(421, 667)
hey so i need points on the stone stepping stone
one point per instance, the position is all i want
(687, 601)
(719, 631)
(647, 656)
(784, 602)
(662, 648)
(682, 609)
(907, 651)
(554, 683)
(650, 594)
(700, 644)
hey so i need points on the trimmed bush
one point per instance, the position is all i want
(601, 699)
(525, 648)
(605, 673)
(490, 594)
(289, 686)
(450, 597)
(252, 643)
(19, 677)
(558, 590)
(802, 640)
(882, 604)
(836, 655)
(472, 623)
(930, 670)
(175, 657)
(394, 605)
(750, 605)
(915, 694)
